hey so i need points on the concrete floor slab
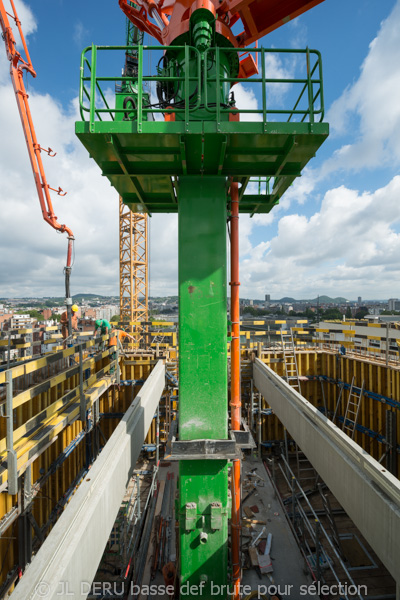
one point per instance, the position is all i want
(287, 561)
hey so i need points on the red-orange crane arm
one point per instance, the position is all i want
(258, 17)
(17, 66)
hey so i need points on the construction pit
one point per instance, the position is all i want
(295, 497)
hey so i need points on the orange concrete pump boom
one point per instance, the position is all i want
(18, 65)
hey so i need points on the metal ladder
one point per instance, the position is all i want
(305, 471)
(352, 409)
(289, 358)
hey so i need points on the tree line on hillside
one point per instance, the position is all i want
(329, 314)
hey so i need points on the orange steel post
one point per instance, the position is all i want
(235, 385)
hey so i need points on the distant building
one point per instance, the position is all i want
(267, 298)
(107, 312)
(358, 334)
(46, 313)
(393, 304)
(5, 318)
(20, 321)
(287, 308)
(87, 324)
(359, 300)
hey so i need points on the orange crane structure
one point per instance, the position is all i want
(18, 65)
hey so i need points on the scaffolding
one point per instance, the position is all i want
(133, 271)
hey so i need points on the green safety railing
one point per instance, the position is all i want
(311, 85)
(94, 80)
(309, 104)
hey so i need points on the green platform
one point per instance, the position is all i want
(143, 158)
(140, 165)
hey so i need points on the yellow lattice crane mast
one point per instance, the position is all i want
(133, 271)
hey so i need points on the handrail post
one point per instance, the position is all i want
(317, 551)
(81, 394)
(118, 371)
(293, 500)
(8, 350)
(309, 86)
(140, 90)
(138, 494)
(11, 454)
(218, 91)
(264, 91)
(158, 434)
(187, 89)
(205, 78)
(321, 87)
(93, 88)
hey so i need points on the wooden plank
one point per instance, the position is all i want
(253, 554)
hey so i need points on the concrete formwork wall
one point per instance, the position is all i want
(46, 505)
(378, 378)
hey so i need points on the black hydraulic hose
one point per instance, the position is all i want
(128, 100)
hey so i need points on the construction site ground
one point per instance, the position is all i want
(361, 561)
(263, 512)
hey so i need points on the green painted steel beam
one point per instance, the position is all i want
(203, 387)
(140, 165)
(174, 128)
(202, 308)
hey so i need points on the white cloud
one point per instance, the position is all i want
(278, 66)
(33, 255)
(246, 100)
(163, 249)
(373, 100)
(79, 34)
(351, 243)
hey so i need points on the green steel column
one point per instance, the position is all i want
(203, 402)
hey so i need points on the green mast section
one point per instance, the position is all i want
(203, 380)
(184, 164)
(203, 385)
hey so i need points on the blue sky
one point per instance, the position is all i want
(336, 230)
